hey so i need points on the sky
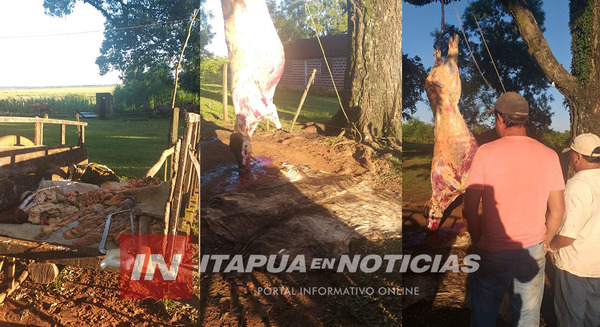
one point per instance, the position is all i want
(419, 22)
(33, 55)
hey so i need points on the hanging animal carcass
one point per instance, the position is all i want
(256, 60)
(454, 144)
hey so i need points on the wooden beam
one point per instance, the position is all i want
(40, 120)
(310, 81)
(62, 134)
(38, 137)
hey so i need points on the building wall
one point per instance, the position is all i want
(297, 72)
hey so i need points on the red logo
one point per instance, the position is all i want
(156, 266)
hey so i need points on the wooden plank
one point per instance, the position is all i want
(180, 175)
(62, 134)
(22, 168)
(82, 136)
(154, 169)
(79, 256)
(38, 138)
(39, 120)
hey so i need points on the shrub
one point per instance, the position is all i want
(416, 131)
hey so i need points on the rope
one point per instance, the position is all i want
(471, 52)
(488, 50)
(329, 70)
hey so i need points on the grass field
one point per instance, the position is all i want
(54, 92)
(416, 166)
(127, 146)
(316, 108)
(130, 146)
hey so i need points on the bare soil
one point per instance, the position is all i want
(445, 296)
(233, 299)
(88, 297)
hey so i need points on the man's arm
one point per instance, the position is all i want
(472, 198)
(560, 241)
(554, 215)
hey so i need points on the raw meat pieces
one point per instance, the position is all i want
(454, 145)
(256, 61)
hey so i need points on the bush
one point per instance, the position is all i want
(555, 140)
(67, 105)
(211, 70)
(417, 131)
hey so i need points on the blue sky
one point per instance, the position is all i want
(38, 51)
(419, 22)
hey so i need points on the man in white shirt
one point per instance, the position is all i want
(576, 246)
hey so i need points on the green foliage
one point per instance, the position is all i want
(417, 131)
(145, 89)
(517, 68)
(138, 49)
(211, 70)
(293, 22)
(67, 105)
(581, 15)
(555, 140)
(413, 84)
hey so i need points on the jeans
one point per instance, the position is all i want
(576, 300)
(521, 273)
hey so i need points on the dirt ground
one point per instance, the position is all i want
(87, 297)
(234, 299)
(445, 297)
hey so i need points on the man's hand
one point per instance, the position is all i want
(472, 198)
(554, 215)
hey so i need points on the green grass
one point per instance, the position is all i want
(316, 108)
(416, 166)
(128, 146)
(131, 146)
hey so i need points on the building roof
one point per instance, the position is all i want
(334, 46)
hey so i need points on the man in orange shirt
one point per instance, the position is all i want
(519, 183)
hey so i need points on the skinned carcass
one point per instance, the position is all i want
(454, 145)
(256, 60)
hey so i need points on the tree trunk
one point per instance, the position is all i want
(581, 88)
(373, 84)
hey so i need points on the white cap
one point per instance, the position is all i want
(585, 144)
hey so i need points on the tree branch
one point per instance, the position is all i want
(539, 49)
(101, 9)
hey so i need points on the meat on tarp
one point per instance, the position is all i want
(454, 144)
(256, 59)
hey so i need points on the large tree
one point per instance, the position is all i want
(518, 71)
(373, 84)
(581, 87)
(128, 50)
(293, 21)
(413, 84)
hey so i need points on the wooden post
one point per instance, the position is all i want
(11, 272)
(82, 136)
(78, 127)
(38, 137)
(310, 81)
(62, 134)
(175, 126)
(43, 272)
(225, 73)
